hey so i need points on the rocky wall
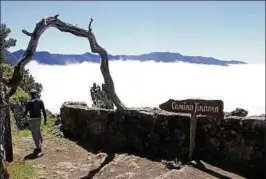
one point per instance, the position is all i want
(235, 143)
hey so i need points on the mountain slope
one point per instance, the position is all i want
(44, 57)
(10, 57)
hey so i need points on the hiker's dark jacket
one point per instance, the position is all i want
(35, 106)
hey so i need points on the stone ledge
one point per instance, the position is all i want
(236, 143)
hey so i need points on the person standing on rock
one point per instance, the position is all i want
(35, 105)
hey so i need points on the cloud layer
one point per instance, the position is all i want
(140, 84)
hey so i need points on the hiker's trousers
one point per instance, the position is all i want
(35, 127)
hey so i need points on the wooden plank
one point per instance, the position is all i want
(192, 142)
(212, 108)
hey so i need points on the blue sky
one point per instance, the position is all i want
(224, 30)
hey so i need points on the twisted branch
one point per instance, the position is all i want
(53, 21)
(95, 48)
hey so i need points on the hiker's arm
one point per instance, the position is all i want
(26, 110)
(43, 112)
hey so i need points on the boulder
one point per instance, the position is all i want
(239, 112)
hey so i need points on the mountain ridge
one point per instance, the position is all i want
(45, 57)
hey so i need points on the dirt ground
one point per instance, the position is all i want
(64, 159)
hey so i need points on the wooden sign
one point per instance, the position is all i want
(194, 106)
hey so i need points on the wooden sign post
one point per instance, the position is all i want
(212, 108)
(192, 136)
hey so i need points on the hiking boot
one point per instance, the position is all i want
(37, 151)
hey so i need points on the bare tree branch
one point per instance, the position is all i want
(53, 21)
(95, 48)
(90, 25)
(27, 33)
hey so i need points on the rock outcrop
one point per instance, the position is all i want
(239, 112)
(235, 143)
(100, 98)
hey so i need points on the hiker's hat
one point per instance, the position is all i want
(33, 91)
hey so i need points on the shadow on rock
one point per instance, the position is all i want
(93, 148)
(110, 156)
(107, 160)
(200, 166)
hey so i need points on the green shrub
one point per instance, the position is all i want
(49, 126)
(19, 96)
(8, 70)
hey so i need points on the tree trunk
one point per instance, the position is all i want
(63, 27)
(2, 112)
(8, 136)
(3, 106)
(16, 78)
(105, 70)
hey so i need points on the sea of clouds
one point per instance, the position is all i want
(148, 84)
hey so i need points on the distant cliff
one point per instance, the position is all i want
(44, 57)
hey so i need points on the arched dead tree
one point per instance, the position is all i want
(41, 26)
(17, 76)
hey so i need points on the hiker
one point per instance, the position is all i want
(39, 96)
(35, 105)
